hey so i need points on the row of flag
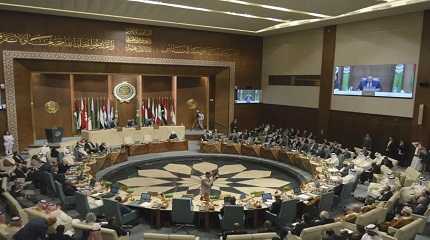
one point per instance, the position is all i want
(156, 111)
(94, 113)
(99, 113)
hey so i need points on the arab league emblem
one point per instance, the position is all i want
(124, 92)
(52, 107)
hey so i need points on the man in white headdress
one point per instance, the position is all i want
(206, 185)
(371, 233)
(351, 177)
(8, 141)
(334, 160)
(200, 117)
(417, 159)
(45, 151)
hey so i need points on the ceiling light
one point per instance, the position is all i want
(253, 16)
(289, 24)
(172, 5)
(208, 10)
(237, 1)
(282, 9)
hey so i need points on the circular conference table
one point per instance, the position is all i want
(160, 207)
(293, 158)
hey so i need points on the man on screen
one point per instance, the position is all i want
(370, 84)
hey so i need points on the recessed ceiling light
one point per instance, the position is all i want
(282, 9)
(208, 10)
(172, 5)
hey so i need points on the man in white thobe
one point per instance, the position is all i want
(371, 233)
(206, 186)
(8, 141)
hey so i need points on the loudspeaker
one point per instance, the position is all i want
(54, 135)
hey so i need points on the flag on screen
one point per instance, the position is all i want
(398, 77)
(345, 78)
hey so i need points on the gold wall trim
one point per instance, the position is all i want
(9, 78)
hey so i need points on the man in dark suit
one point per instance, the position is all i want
(114, 226)
(370, 84)
(35, 229)
(236, 231)
(276, 206)
(324, 218)
(390, 148)
(386, 194)
(59, 234)
(305, 223)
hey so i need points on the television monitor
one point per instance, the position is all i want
(385, 80)
(248, 96)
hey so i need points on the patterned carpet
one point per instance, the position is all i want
(185, 178)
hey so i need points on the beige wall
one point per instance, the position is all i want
(389, 40)
(292, 53)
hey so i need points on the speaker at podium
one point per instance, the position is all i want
(54, 135)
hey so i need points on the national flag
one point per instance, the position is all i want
(83, 123)
(345, 78)
(398, 77)
(145, 114)
(160, 113)
(172, 114)
(75, 114)
(108, 114)
(85, 117)
(150, 112)
(116, 117)
(93, 115)
(142, 113)
(153, 113)
(101, 118)
(104, 115)
(111, 117)
(97, 116)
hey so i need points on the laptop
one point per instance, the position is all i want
(242, 196)
(227, 200)
(145, 197)
(113, 191)
(266, 196)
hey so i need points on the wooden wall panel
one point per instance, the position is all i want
(422, 93)
(90, 85)
(51, 87)
(327, 68)
(248, 115)
(156, 86)
(23, 104)
(349, 128)
(290, 117)
(191, 88)
(222, 100)
(126, 111)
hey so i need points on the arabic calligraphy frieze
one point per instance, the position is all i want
(174, 48)
(138, 40)
(57, 41)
